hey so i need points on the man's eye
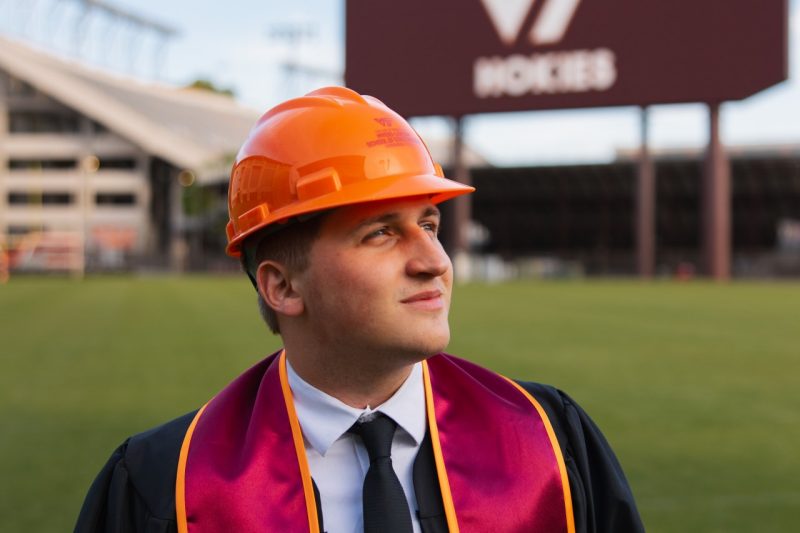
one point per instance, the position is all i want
(431, 227)
(380, 232)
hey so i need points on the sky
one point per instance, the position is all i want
(237, 44)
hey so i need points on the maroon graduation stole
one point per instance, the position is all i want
(242, 466)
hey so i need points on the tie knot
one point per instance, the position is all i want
(377, 434)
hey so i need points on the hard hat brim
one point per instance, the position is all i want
(388, 188)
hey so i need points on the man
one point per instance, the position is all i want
(360, 423)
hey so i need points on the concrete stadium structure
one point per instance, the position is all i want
(102, 164)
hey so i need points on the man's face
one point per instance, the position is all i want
(379, 282)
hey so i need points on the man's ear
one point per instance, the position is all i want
(276, 287)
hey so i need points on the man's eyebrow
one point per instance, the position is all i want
(432, 211)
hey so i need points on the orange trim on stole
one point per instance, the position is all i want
(299, 448)
(444, 484)
(180, 481)
(559, 456)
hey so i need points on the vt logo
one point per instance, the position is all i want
(551, 23)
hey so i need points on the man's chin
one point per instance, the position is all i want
(434, 346)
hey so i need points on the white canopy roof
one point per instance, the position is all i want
(192, 129)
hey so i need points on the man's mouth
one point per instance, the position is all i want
(426, 300)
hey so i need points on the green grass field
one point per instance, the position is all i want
(696, 385)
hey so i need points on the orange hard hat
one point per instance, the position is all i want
(330, 148)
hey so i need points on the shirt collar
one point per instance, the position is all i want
(324, 419)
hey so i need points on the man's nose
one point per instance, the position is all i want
(426, 256)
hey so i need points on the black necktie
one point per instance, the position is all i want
(385, 505)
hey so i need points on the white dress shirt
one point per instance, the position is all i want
(338, 460)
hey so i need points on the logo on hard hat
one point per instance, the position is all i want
(549, 27)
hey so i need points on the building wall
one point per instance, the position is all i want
(60, 171)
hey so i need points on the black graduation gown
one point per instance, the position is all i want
(135, 490)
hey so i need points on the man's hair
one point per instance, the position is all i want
(289, 246)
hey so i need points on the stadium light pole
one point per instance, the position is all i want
(89, 165)
(716, 203)
(645, 204)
